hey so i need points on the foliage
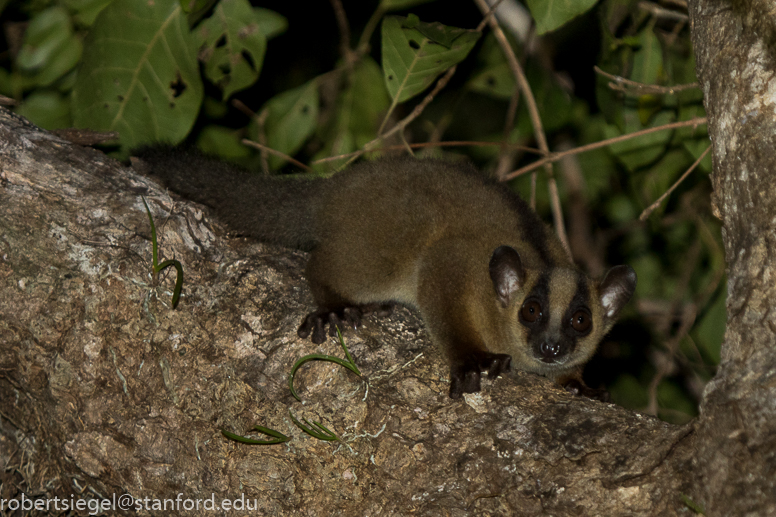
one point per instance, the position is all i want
(348, 363)
(414, 54)
(314, 429)
(277, 436)
(139, 74)
(405, 73)
(157, 268)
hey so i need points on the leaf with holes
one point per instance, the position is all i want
(232, 45)
(292, 117)
(493, 77)
(411, 61)
(497, 81)
(139, 74)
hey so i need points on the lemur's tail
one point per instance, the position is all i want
(273, 209)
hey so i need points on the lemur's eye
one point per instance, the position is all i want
(531, 311)
(581, 321)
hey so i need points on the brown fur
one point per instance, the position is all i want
(423, 233)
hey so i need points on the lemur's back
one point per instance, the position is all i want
(492, 283)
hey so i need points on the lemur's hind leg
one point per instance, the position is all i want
(334, 309)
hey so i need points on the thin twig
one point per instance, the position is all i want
(237, 103)
(438, 129)
(441, 83)
(624, 85)
(371, 25)
(487, 16)
(506, 153)
(554, 157)
(651, 208)
(587, 247)
(451, 143)
(663, 13)
(260, 120)
(506, 157)
(344, 27)
(536, 121)
(264, 148)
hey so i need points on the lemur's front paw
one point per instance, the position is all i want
(465, 373)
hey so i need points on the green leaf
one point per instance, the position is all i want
(195, 9)
(649, 111)
(411, 60)
(156, 268)
(176, 292)
(659, 177)
(86, 11)
(277, 436)
(554, 103)
(47, 109)
(620, 209)
(496, 81)
(671, 397)
(232, 45)
(292, 118)
(551, 14)
(47, 31)
(154, 245)
(598, 166)
(348, 363)
(643, 150)
(271, 23)
(50, 49)
(360, 107)
(139, 75)
(493, 76)
(322, 433)
(695, 140)
(434, 31)
(628, 392)
(695, 507)
(650, 274)
(65, 60)
(648, 59)
(222, 141)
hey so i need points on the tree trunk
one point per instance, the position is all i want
(105, 390)
(735, 460)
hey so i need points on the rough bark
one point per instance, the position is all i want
(736, 443)
(105, 387)
(105, 390)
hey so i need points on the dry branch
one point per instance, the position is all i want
(103, 386)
